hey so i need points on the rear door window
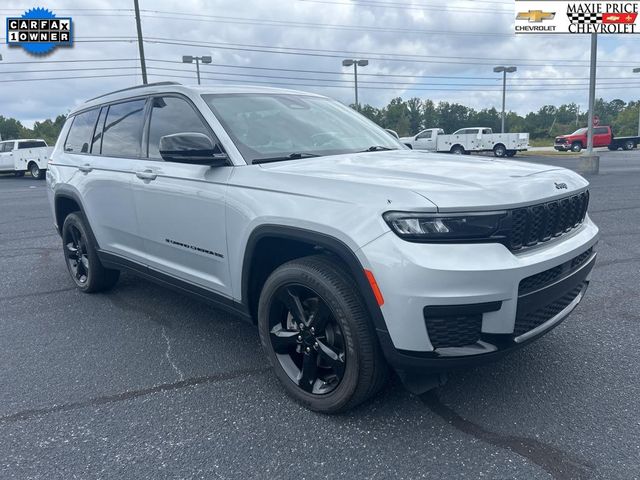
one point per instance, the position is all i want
(79, 137)
(601, 130)
(122, 132)
(31, 144)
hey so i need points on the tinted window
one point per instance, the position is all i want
(80, 133)
(96, 141)
(601, 130)
(31, 144)
(172, 115)
(122, 131)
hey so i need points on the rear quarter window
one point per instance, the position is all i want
(81, 131)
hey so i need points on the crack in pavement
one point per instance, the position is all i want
(35, 294)
(130, 394)
(167, 354)
(559, 464)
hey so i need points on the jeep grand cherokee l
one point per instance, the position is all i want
(349, 251)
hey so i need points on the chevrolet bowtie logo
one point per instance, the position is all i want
(535, 16)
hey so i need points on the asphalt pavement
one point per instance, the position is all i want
(143, 382)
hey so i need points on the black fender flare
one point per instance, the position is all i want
(65, 191)
(327, 242)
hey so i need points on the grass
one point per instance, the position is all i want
(541, 142)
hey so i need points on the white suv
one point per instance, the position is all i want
(350, 251)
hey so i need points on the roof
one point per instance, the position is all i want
(174, 87)
(24, 140)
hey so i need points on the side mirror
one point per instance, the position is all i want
(191, 147)
(393, 133)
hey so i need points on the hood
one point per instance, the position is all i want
(451, 182)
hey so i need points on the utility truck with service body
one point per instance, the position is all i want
(467, 140)
(25, 155)
(349, 251)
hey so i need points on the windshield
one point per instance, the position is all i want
(580, 131)
(288, 126)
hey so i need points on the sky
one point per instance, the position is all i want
(423, 48)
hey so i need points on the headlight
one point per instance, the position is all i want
(428, 227)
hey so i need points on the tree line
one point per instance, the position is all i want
(408, 117)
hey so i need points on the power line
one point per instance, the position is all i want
(367, 3)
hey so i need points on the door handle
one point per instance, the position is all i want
(146, 175)
(86, 168)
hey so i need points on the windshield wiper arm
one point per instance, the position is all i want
(291, 156)
(378, 148)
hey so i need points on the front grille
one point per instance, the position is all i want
(543, 279)
(534, 319)
(454, 331)
(539, 223)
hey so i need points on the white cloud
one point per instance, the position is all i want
(29, 101)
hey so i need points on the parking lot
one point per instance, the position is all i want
(144, 382)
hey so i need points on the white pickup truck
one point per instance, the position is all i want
(467, 140)
(25, 155)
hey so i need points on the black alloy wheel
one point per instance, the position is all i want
(307, 340)
(76, 254)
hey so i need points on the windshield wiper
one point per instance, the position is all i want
(291, 156)
(378, 148)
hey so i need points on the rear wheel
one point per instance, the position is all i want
(611, 148)
(36, 172)
(500, 150)
(629, 145)
(19, 174)
(318, 337)
(457, 150)
(576, 147)
(81, 257)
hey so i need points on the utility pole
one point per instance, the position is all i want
(635, 70)
(143, 63)
(592, 91)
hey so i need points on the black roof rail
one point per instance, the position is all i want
(133, 88)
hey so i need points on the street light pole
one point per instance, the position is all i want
(504, 70)
(190, 59)
(355, 63)
(635, 70)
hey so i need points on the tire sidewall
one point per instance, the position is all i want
(499, 151)
(75, 220)
(576, 147)
(288, 274)
(34, 167)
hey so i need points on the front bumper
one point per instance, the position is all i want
(480, 284)
(562, 147)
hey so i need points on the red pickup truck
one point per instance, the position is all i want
(602, 137)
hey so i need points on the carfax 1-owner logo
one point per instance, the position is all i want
(39, 31)
(608, 17)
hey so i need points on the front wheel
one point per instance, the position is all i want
(318, 336)
(576, 147)
(81, 257)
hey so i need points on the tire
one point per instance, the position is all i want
(629, 145)
(576, 147)
(356, 368)
(457, 150)
(81, 257)
(499, 150)
(36, 172)
(612, 149)
(19, 174)
(511, 153)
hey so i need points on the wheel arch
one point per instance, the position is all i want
(66, 201)
(308, 242)
(455, 146)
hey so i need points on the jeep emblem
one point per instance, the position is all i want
(561, 186)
